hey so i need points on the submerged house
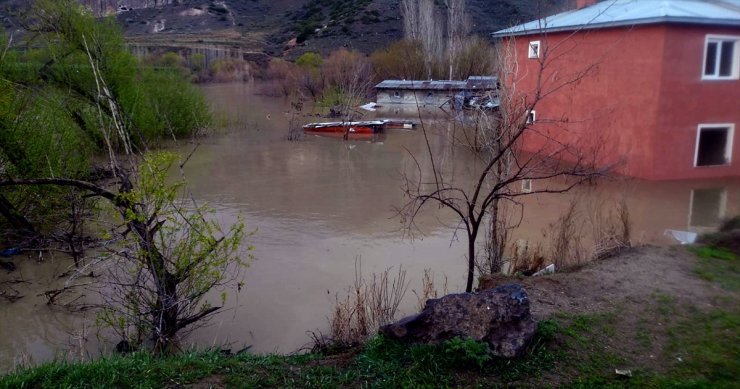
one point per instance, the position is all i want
(660, 85)
(431, 92)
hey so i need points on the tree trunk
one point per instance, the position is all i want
(495, 252)
(16, 220)
(471, 259)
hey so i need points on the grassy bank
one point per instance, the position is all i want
(665, 342)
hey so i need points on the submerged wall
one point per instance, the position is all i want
(108, 7)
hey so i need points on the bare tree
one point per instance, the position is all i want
(502, 168)
(422, 23)
(458, 28)
(350, 73)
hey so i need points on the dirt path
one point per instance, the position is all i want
(638, 295)
(631, 279)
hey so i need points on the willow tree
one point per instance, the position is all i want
(73, 90)
(349, 77)
(82, 93)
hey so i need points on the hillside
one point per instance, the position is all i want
(318, 25)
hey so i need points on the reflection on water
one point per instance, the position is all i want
(707, 207)
(318, 203)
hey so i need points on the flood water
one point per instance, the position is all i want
(320, 205)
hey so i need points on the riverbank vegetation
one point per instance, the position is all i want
(672, 339)
(74, 95)
(67, 88)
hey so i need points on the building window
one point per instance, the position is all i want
(707, 207)
(534, 49)
(714, 144)
(531, 116)
(721, 57)
(527, 186)
(397, 94)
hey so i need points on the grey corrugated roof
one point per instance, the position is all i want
(474, 82)
(613, 13)
(419, 84)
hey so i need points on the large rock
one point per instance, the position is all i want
(497, 316)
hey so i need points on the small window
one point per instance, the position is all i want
(396, 94)
(534, 49)
(721, 57)
(531, 116)
(713, 145)
(527, 186)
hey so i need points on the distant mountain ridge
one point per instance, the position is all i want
(274, 25)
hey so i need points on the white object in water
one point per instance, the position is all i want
(369, 106)
(549, 269)
(685, 237)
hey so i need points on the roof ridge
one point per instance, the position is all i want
(614, 13)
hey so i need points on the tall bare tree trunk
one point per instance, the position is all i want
(422, 24)
(457, 29)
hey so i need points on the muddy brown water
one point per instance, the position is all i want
(318, 206)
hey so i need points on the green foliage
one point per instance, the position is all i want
(179, 256)
(197, 62)
(66, 92)
(547, 330)
(73, 59)
(164, 104)
(310, 60)
(318, 13)
(171, 59)
(331, 96)
(465, 352)
(42, 140)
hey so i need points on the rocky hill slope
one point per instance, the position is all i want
(315, 25)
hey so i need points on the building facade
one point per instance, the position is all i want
(654, 83)
(432, 93)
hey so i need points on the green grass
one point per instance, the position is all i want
(711, 252)
(718, 265)
(709, 348)
(569, 350)
(382, 363)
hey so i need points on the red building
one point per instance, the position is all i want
(651, 83)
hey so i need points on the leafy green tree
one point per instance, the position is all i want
(73, 90)
(77, 91)
(309, 60)
(309, 76)
(173, 259)
(170, 255)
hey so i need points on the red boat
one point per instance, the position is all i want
(354, 129)
(399, 124)
(350, 128)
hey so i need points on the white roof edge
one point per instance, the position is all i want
(620, 13)
(621, 23)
